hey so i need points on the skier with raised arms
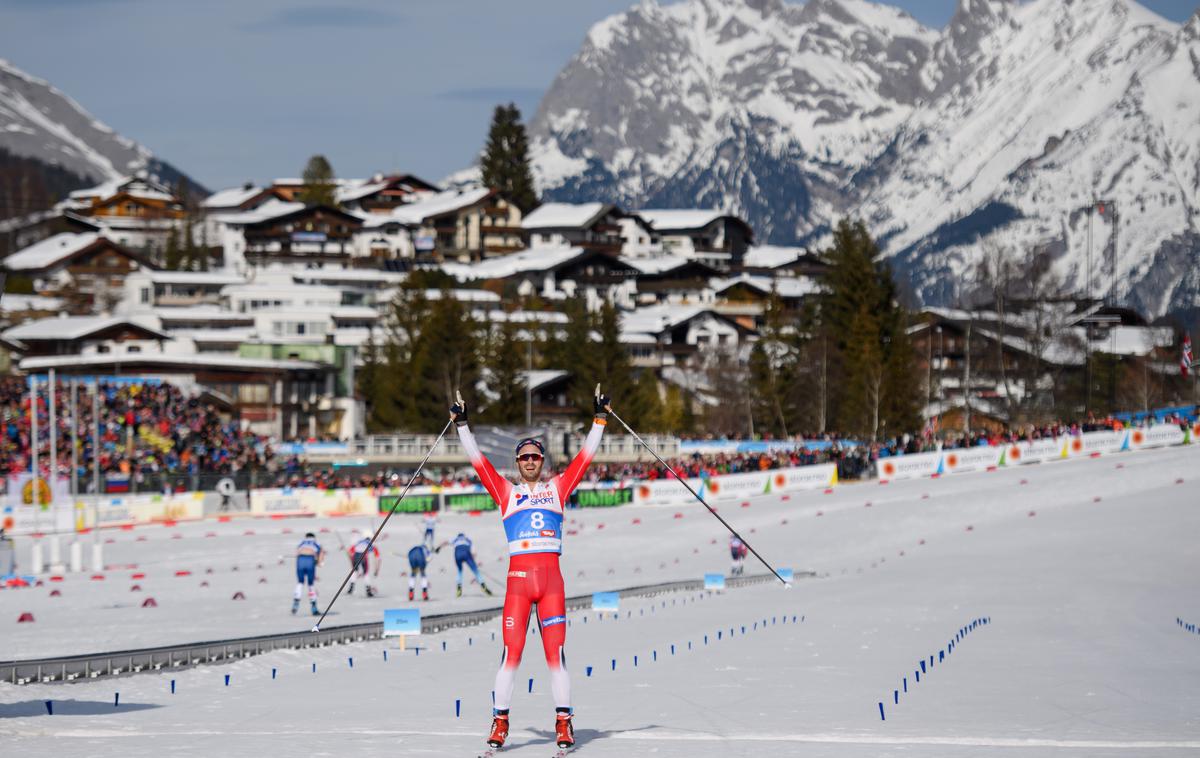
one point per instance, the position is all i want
(532, 514)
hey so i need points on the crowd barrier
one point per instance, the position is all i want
(1067, 447)
(62, 514)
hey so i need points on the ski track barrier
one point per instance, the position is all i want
(1068, 447)
(126, 662)
(115, 511)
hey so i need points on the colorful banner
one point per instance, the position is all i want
(600, 497)
(401, 621)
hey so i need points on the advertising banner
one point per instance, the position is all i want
(968, 459)
(601, 497)
(1159, 435)
(913, 466)
(470, 501)
(414, 502)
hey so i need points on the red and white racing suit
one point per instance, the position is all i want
(532, 515)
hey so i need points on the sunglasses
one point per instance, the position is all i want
(529, 457)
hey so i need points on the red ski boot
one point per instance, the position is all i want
(499, 730)
(564, 730)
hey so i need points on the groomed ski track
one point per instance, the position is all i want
(1081, 570)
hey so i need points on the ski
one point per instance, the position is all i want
(490, 752)
(562, 752)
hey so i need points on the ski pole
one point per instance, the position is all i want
(407, 487)
(697, 496)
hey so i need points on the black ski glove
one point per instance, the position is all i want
(458, 412)
(601, 403)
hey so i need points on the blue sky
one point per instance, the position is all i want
(236, 90)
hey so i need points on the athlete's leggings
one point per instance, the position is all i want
(469, 560)
(534, 579)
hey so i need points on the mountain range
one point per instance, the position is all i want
(1066, 130)
(50, 145)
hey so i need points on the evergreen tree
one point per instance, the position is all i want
(612, 365)
(505, 162)
(173, 255)
(319, 187)
(644, 407)
(506, 359)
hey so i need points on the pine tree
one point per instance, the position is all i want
(506, 360)
(614, 369)
(173, 255)
(505, 161)
(319, 186)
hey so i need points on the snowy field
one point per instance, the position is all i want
(1081, 567)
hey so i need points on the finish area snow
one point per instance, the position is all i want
(1081, 568)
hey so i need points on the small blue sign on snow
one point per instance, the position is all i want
(606, 601)
(786, 574)
(398, 621)
(714, 581)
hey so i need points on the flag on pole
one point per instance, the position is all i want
(1185, 360)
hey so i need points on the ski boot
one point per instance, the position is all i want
(499, 730)
(295, 606)
(350, 589)
(564, 730)
(411, 594)
(315, 610)
(370, 592)
(458, 592)
(486, 591)
(424, 594)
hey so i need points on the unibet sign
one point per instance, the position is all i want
(604, 498)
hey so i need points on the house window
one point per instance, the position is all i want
(145, 295)
(134, 349)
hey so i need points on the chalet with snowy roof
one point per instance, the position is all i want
(455, 225)
(20, 232)
(669, 278)
(147, 289)
(556, 273)
(717, 238)
(135, 211)
(591, 226)
(382, 194)
(278, 232)
(77, 335)
(87, 270)
(773, 260)
(677, 335)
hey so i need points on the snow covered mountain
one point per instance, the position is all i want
(40, 123)
(993, 133)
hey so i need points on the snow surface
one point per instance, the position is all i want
(49, 251)
(1082, 568)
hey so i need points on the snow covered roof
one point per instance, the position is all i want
(348, 275)
(215, 278)
(50, 251)
(11, 303)
(438, 204)
(655, 318)
(72, 328)
(539, 378)
(657, 264)
(1134, 340)
(273, 208)
(355, 312)
(770, 256)
(200, 313)
(131, 185)
(238, 334)
(533, 259)
(679, 219)
(465, 295)
(174, 360)
(564, 215)
(786, 286)
(350, 193)
(232, 197)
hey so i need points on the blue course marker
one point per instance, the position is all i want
(635, 661)
(385, 656)
(314, 668)
(922, 666)
(906, 684)
(689, 644)
(49, 707)
(589, 670)
(227, 680)
(457, 708)
(531, 684)
(654, 655)
(116, 699)
(443, 646)
(350, 660)
(173, 684)
(881, 718)
(918, 673)
(896, 697)
(706, 639)
(614, 664)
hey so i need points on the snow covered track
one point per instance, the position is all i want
(125, 662)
